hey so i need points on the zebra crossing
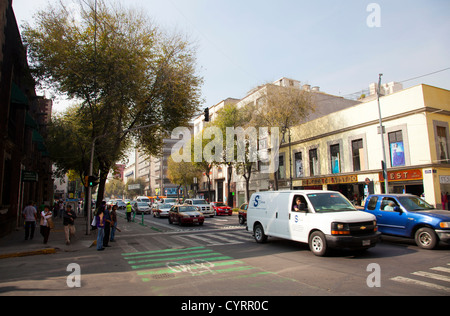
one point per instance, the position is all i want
(176, 240)
(437, 278)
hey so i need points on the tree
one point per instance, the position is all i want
(182, 174)
(230, 116)
(115, 187)
(124, 71)
(283, 107)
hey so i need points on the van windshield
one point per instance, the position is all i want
(330, 202)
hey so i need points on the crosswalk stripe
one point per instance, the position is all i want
(237, 236)
(185, 240)
(441, 269)
(432, 276)
(125, 246)
(422, 283)
(208, 240)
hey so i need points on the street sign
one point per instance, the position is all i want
(30, 176)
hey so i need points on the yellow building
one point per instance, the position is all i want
(343, 150)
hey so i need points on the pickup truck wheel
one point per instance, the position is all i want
(318, 244)
(426, 238)
(258, 232)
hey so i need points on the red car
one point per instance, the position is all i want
(185, 214)
(221, 209)
(243, 213)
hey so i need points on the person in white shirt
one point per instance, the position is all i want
(30, 217)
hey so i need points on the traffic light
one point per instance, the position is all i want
(93, 181)
(207, 115)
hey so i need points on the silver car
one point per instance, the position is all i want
(141, 207)
(161, 210)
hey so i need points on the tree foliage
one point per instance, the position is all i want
(125, 72)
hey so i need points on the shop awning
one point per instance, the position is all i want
(17, 95)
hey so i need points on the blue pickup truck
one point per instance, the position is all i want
(411, 217)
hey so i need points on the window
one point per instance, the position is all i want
(358, 154)
(282, 168)
(372, 203)
(442, 144)
(298, 165)
(313, 162)
(397, 149)
(388, 204)
(335, 159)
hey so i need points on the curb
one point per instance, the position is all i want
(47, 251)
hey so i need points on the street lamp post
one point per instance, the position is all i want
(384, 164)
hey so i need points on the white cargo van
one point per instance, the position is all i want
(323, 219)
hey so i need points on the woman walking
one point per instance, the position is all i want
(46, 223)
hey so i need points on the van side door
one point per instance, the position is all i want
(298, 220)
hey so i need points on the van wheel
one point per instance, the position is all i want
(426, 238)
(258, 232)
(318, 244)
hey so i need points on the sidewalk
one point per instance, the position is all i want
(15, 245)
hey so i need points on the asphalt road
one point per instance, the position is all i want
(221, 258)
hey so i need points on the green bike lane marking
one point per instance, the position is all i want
(188, 262)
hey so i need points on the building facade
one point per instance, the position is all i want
(342, 151)
(25, 167)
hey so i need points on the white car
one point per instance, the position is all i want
(161, 210)
(202, 206)
(323, 219)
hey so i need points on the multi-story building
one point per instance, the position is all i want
(260, 181)
(153, 170)
(25, 168)
(343, 151)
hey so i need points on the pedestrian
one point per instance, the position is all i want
(107, 218)
(100, 220)
(113, 223)
(46, 223)
(30, 216)
(129, 209)
(69, 223)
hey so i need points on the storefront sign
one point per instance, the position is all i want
(331, 180)
(404, 175)
(444, 179)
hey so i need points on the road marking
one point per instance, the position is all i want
(421, 283)
(432, 276)
(441, 269)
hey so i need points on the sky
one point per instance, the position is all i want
(339, 45)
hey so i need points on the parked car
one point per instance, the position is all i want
(323, 219)
(243, 213)
(161, 210)
(221, 208)
(202, 205)
(185, 214)
(409, 216)
(141, 207)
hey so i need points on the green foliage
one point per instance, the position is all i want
(124, 71)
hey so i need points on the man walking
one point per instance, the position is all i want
(30, 216)
(69, 222)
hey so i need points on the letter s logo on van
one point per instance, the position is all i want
(256, 203)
